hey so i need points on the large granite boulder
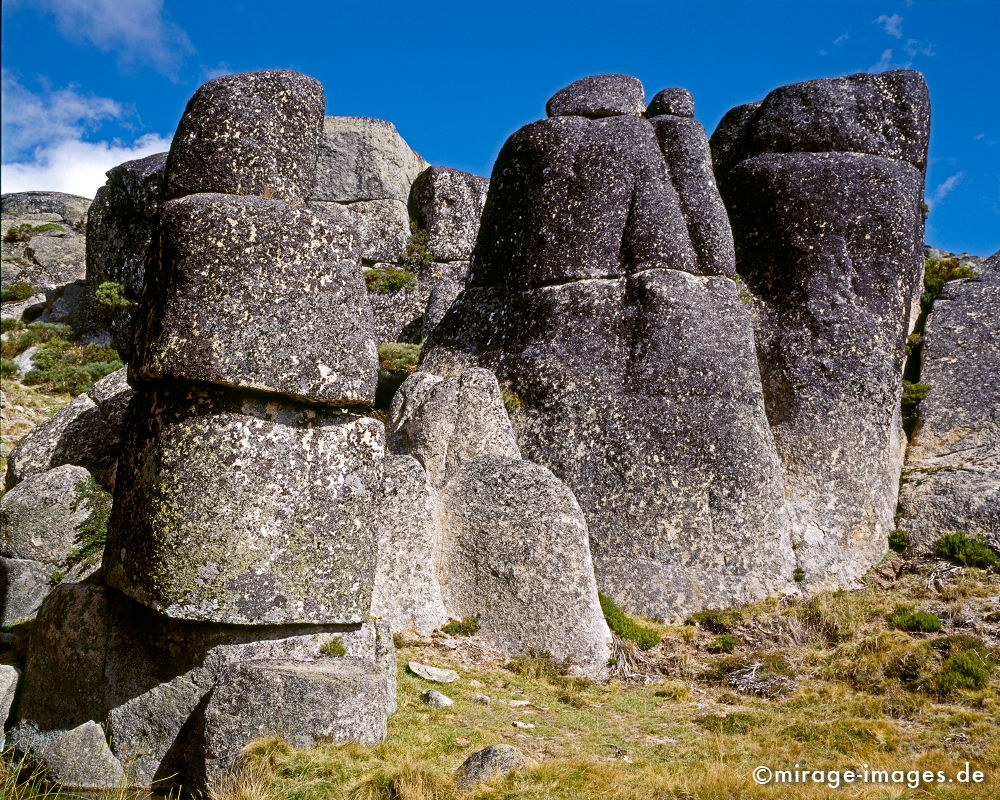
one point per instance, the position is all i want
(244, 509)
(406, 593)
(599, 96)
(448, 203)
(444, 422)
(515, 554)
(40, 515)
(86, 433)
(439, 301)
(81, 759)
(24, 583)
(951, 480)
(399, 314)
(383, 229)
(674, 101)
(251, 133)
(828, 241)
(69, 207)
(361, 158)
(257, 294)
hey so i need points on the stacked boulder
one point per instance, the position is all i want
(823, 181)
(241, 541)
(601, 294)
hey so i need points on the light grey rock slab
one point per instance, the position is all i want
(362, 158)
(436, 699)
(406, 593)
(43, 205)
(62, 259)
(599, 96)
(250, 133)
(245, 509)
(39, 517)
(80, 758)
(448, 204)
(23, 586)
(429, 673)
(10, 677)
(516, 554)
(438, 303)
(257, 294)
(444, 422)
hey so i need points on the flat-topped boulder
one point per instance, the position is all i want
(675, 101)
(599, 96)
(250, 133)
(448, 203)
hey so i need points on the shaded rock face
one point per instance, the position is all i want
(951, 479)
(81, 759)
(635, 371)
(253, 133)
(599, 96)
(515, 554)
(448, 203)
(226, 266)
(24, 583)
(828, 241)
(290, 540)
(39, 516)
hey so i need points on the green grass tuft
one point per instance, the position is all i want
(92, 533)
(334, 648)
(392, 279)
(716, 620)
(511, 401)
(16, 292)
(415, 256)
(964, 550)
(965, 670)
(466, 626)
(24, 232)
(626, 627)
(8, 369)
(723, 643)
(899, 540)
(905, 618)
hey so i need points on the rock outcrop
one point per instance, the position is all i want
(823, 182)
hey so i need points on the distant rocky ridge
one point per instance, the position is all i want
(602, 402)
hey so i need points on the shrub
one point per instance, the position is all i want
(511, 401)
(392, 279)
(397, 360)
(798, 574)
(112, 295)
(62, 366)
(723, 643)
(968, 552)
(899, 540)
(415, 255)
(937, 272)
(92, 533)
(905, 618)
(334, 648)
(625, 626)
(34, 334)
(913, 394)
(717, 620)
(8, 369)
(24, 232)
(956, 643)
(17, 292)
(466, 626)
(967, 669)
(9, 324)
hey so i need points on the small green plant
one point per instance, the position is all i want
(924, 211)
(723, 643)
(905, 618)
(396, 361)
(966, 669)
(625, 626)
(415, 256)
(913, 394)
(62, 366)
(798, 574)
(716, 620)
(9, 324)
(92, 533)
(960, 548)
(391, 279)
(34, 334)
(24, 232)
(539, 665)
(511, 401)
(746, 296)
(957, 643)
(8, 369)
(899, 540)
(17, 292)
(57, 577)
(111, 295)
(937, 272)
(334, 648)
(466, 626)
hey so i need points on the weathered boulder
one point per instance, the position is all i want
(448, 203)
(62, 259)
(399, 313)
(244, 509)
(573, 198)
(87, 433)
(383, 229)
(226, 265)
(40, 515)
(599, 96)
(441, 297)
(951, 480)
(332, 700)
(444, 422)
(23, 586)
(69, 207)
(675, 101)
(10, 677)
(81, 759)
(406, 593)
(515, 554)
(828, 241)
(361, 158)
(251, 133)
(497, 759)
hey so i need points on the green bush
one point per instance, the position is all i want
(716, 620)
(967, 669)
(913, 394)
(937, 272)
(798, 574)
(8, 369)
(62, 366)
(17, 292)
(24, 232)
(334, 648)
(905, 618)
(392, 279)
(723, 643)
(34, 334)
(396, 360)
(625, 626)
(511, 401)
(899, 540)
(962, 549)
(415, 256)
(957, 643)
(112, 295)
(466, 626)
(8, 324)
(92, 533)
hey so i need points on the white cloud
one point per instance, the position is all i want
(891, 24)
(135, 29)
(75, 166)
(946, 187)
(841, 39)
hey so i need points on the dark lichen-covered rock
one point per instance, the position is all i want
(444, 422)
(407, 594)
(574, 198)
(245, 509)
(951, 480)
(515, 554)
(676, 102)
(399, 313)
(448, 203)
(257, 294)
(361, 158)
(599, 96)
(383, 228)
(332, 700)
(251, 133)
(438, 302)
(39, 516)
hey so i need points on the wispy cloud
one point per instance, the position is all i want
(891, 24)
(44, 144)
(841, 39)
(886, 62)
(946, 187)
(137, 29)
(915, 47)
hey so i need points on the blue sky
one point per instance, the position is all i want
(90, 83)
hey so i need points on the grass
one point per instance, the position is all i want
(24, 232)
(61, 364)
(92, 532)
(723, 643)
(415, 256)
(334, 648)
(626, 627)
(17, 292)
(391, 279)
(511, 402)
(25, 407)
(969, 552)
(905, 618)
(466, 626)
(899, 540)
